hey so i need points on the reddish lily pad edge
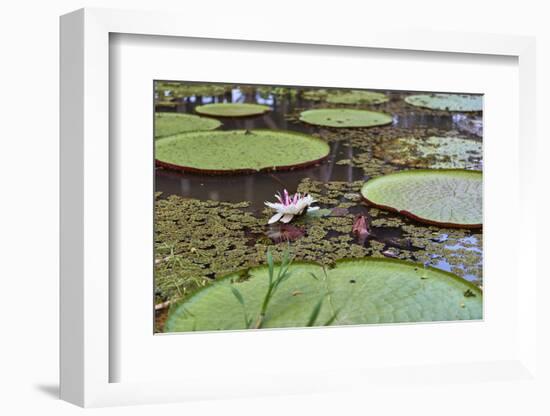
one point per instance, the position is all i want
(416, 217)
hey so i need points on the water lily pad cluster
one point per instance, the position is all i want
(199, 241)
(421, 184)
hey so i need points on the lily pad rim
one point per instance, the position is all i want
(255, 114)
(416, 217)
(216, 172)
(346, 109)
(246, 271)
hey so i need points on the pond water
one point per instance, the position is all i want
(351, 161)
(262, 186)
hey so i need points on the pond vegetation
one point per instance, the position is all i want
(386, 227)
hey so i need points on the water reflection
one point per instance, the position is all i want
(255, 188)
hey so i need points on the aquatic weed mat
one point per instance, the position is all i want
(197, 241)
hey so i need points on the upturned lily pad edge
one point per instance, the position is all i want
(246, 171)
(247, 271)
(416, 217)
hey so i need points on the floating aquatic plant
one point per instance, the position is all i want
(232, 109)
(290, 206)
(345, 117)
(240, 151)
(356, 292)
(445, 197)
(168, 124)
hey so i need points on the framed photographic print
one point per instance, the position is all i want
(274, 214)
(373, 212)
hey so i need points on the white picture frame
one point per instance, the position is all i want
(86, 353)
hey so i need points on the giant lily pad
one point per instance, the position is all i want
(357, 97)
(359, 291)
(432, 152)
(167, 124)
(451, 198)
(232, 109)
(448, 102)
(345, 117)
(240, 151)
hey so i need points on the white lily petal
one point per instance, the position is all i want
(275, 218)
(313, 209)
(274, 205)
(286, 218)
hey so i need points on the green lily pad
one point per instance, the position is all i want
(357, 97)
(167, 124)
(240, 151)
(432, 152)
(358, 291)
(345, 117)
(450, 198)
(448, 102)
(232, 109)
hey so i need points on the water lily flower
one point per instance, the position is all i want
(289, 206)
